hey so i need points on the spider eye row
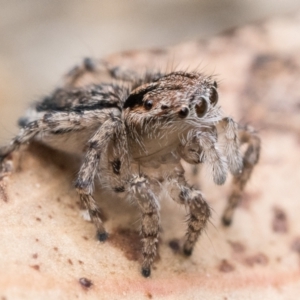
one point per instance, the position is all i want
(201, 106)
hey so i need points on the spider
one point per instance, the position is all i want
(133, 131)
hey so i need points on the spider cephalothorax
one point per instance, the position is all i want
(177, 110)
(134, 133)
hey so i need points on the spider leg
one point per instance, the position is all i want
(201, 146)
(199, 210)
(26, 134)
(89, 66)
(232, 151)
(91, 70)
(97, 146)
(53, 124)
(148, 204)
(64, 123)
(246, 135)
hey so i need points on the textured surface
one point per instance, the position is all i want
(49, 250)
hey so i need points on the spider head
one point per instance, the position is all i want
(171, 106)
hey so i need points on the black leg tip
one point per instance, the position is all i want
(102, 236)
(146, 272)
(226, 222)
(187, 252)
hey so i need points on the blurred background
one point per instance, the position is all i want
(41, 39)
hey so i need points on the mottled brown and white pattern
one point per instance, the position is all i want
(133, 131)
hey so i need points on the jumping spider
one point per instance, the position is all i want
(133, 134)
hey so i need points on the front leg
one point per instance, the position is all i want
(148, 204)
(201, 146)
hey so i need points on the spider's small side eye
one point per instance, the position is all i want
(148, 104)
(215, 84)
(201, 107)
(214, 97)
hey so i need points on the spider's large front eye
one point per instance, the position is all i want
(201, 107)
(214, 97)
(148, 104)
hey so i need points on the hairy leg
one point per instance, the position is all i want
(62, 123)
(25, 135)
(246, 135)
(232, 150)
(54, 124)
(90, 70)
(201, 146)
(95, 68)
(199, 210)
(97, 147)
(149, 207)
